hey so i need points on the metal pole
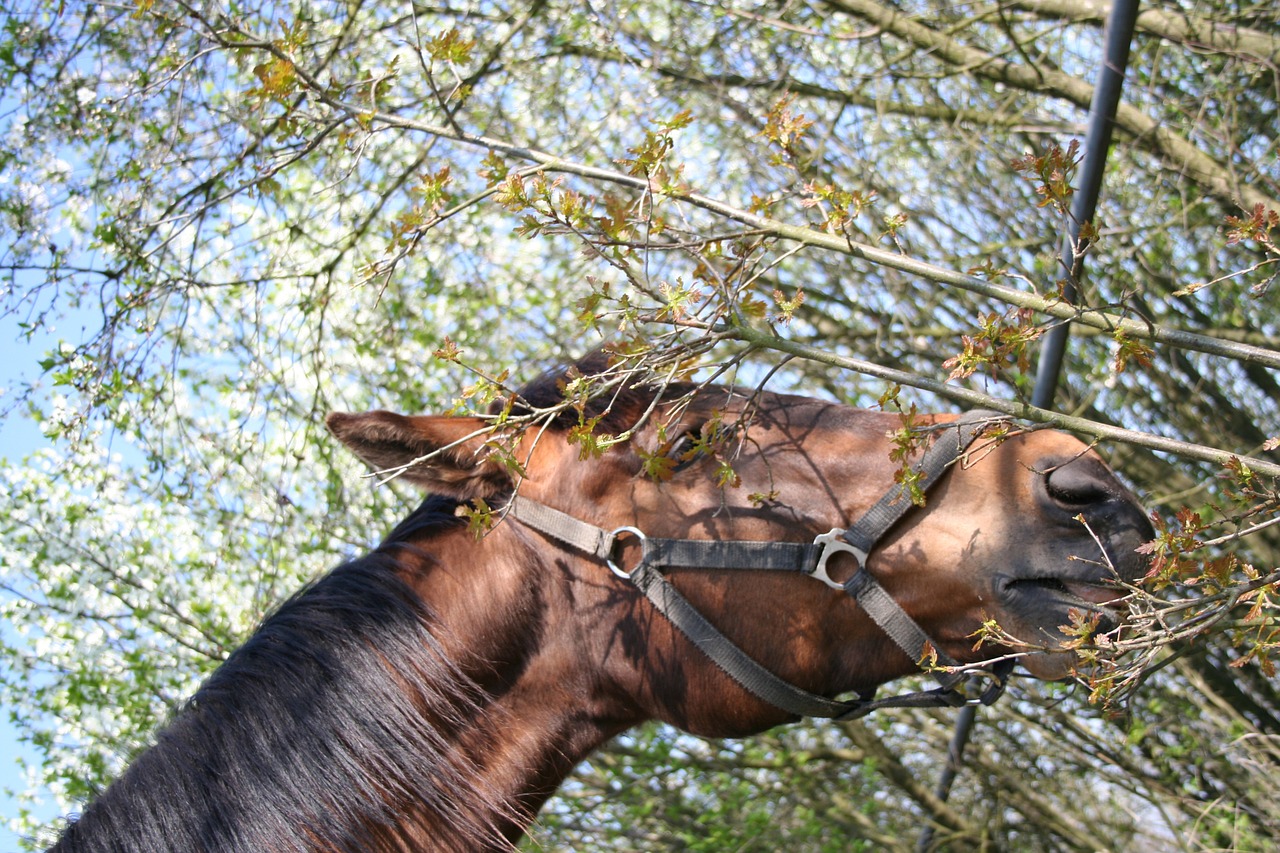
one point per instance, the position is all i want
(955, 751)
(1117, 38)
(1106, 97)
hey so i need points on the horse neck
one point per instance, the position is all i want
(510, 616)
(416, 699)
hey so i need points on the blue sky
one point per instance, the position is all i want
(19, 436)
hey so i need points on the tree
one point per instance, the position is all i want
(270, 212)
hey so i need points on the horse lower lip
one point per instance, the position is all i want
(1093, 593)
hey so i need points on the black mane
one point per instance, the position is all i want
(305, 737)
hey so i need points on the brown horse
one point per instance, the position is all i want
(434, 694)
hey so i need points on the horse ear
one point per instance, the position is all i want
(459, 464)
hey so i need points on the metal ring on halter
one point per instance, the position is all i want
(639, 534)
(833, 542)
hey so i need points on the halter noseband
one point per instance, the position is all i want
(956, 686)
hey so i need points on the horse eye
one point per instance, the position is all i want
(686, 450)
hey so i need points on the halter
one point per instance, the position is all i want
(957, 686)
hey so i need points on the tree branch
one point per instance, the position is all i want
(1096, 319)
(1175, 151)
(1012, 408)
(1171, 25)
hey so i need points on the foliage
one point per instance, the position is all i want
(264, 211)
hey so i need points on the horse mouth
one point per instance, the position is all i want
(1048, 600)
(1046, 615)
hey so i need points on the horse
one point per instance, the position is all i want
(744, 559)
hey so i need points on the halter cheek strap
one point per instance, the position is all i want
(956, 686)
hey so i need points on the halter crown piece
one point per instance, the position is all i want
(957, 687)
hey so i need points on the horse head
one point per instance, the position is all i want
(1026, 528)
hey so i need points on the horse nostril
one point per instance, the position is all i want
(1075, 486)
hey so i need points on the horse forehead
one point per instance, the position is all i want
(796, 418)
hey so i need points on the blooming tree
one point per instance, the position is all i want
(265, 211)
